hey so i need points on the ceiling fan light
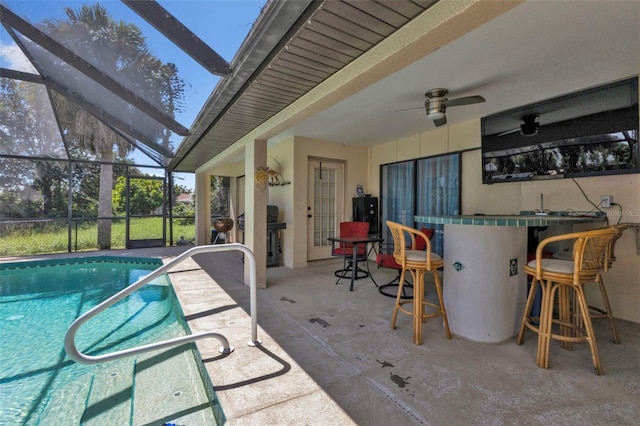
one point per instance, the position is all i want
(435, 115)
(435, 108)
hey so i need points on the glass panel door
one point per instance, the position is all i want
(438, 192)
(428, 187)
(324, 208)
(397, 195)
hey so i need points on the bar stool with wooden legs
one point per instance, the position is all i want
(417, 262)
(557, 277)
(606, 312)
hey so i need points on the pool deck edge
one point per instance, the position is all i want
(255, 385)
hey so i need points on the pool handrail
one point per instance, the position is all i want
(76, 355)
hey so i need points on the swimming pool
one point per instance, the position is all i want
(38, 302)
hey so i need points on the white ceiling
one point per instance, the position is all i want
(538, 50)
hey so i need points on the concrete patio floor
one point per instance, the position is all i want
(329, 357)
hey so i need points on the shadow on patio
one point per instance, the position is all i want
(328, 356)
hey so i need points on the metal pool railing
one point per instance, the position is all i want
(76, 355)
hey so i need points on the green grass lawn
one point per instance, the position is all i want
(52, 237)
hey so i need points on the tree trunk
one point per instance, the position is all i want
(105, 203)
(43, 182)
(47, 197)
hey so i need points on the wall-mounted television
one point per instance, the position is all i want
(587, 133)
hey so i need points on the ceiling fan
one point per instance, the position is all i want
(436, 104)
(529, 126)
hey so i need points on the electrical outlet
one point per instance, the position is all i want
(513, 267)
(606, 201)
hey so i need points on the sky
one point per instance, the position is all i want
(222, 24)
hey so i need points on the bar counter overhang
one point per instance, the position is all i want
(484, 293)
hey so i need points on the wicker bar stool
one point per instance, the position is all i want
(417, 262)
(607, 313)
(557, 277)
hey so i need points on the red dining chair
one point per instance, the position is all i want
(387, 260)
(351, 229)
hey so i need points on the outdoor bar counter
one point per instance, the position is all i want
(485, 287)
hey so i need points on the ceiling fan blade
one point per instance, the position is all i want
(406, 109)
(508, 132)
(467, 100)
(440, 121)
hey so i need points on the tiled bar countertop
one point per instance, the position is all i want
(484, 284)
(509, 220)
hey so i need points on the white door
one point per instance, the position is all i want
(324, 206)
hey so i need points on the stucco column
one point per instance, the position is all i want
(255, 213)
(203, 209)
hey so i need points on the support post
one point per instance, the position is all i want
(255, 216)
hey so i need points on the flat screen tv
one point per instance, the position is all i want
(588, 133)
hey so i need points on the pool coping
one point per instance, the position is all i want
(27, 263)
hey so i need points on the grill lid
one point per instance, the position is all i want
(272, 214)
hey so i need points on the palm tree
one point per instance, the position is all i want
(94, 136)
(118, 49)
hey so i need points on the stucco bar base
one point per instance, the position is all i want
(484, 302)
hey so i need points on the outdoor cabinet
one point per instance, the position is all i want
(365, 209)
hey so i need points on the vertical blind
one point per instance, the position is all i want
(427, 186)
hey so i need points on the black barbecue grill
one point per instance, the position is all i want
(273, 234)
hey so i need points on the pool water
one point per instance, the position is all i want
(39, 302)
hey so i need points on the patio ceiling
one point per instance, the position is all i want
(523, 53)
